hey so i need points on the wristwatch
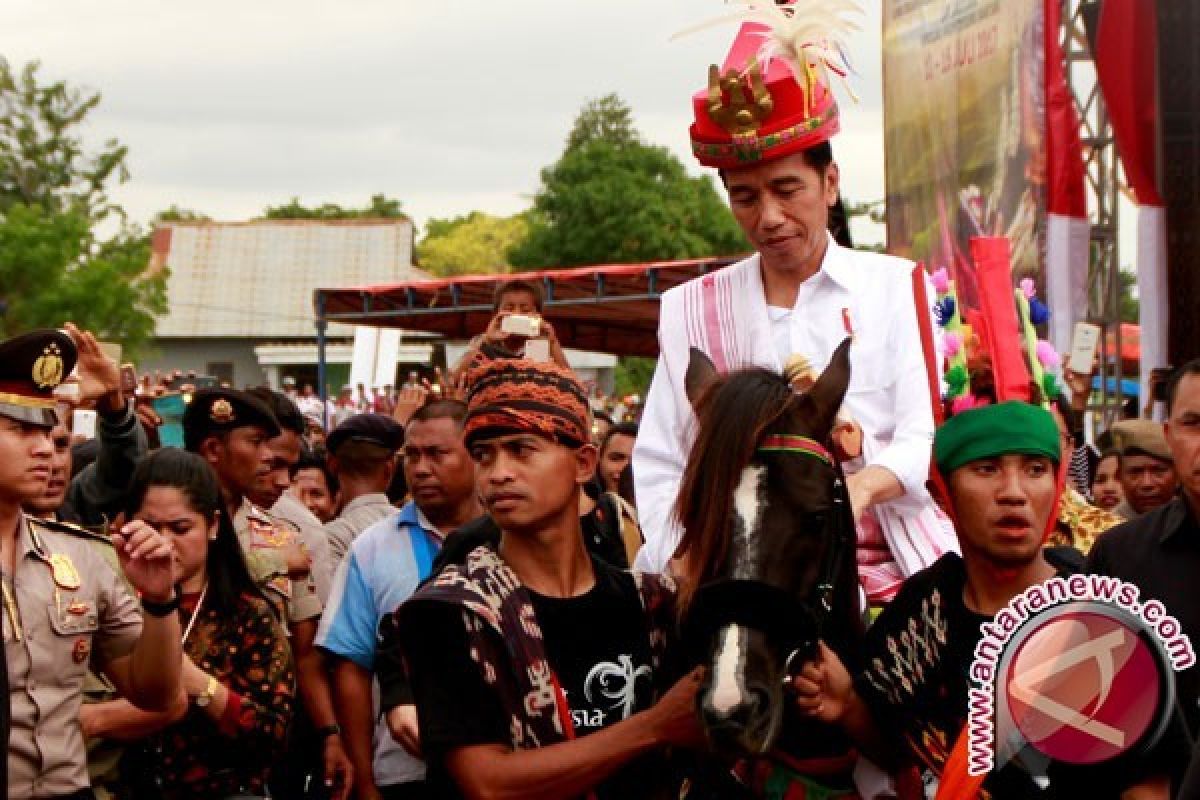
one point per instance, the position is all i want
(210, 691)
(161, 610)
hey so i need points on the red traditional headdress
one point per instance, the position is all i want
(772, 97)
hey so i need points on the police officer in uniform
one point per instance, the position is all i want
(231, 429)
(62, 599)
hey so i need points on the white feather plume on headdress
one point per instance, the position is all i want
(808, 34)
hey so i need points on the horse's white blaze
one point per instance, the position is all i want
(731, 650)
(748, 506)
(727, 689)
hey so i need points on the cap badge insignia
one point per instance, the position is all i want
(749, 104)
(48, 369)
(64, 572)
(221, 412)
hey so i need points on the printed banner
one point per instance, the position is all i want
(964, 117)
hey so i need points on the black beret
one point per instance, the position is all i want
(377, 429)
(32, 366)
(216, 411)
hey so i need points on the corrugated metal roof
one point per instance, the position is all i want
(256, 279)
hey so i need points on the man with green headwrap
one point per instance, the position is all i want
(999, 464)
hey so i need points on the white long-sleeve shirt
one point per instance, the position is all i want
(728, 319)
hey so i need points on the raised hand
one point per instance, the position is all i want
(99, 375)
(408, 402)
(148, 560)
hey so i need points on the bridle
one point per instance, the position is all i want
(797, 624)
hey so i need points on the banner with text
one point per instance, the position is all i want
(964, 118)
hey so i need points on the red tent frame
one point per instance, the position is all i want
(611, 308)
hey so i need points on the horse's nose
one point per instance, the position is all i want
(751, 703)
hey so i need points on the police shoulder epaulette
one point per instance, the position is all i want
(70, 528)
(258, 514)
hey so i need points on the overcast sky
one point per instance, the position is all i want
(448, 105)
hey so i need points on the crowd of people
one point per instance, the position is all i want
(474, 585)
(303, 670)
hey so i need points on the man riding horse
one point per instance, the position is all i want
(764, 122)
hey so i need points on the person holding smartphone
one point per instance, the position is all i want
(517, 330)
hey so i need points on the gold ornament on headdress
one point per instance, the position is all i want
(749, 104)
(48, 369)
(221, 412)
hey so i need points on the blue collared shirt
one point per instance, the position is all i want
(382, 570)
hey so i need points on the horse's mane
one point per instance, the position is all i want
(733, 414)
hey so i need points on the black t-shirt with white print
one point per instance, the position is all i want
(596, 643)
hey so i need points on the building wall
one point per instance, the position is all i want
(198, 354)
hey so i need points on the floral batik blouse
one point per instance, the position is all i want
(199, 757)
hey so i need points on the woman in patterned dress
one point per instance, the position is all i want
(238, 671)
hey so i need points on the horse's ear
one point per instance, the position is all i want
(701, 373)
(827, 393)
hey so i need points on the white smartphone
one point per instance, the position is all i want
(521, 325)
(83, 423)
(537, 349)
(1083, 348)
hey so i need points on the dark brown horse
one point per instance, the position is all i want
(767, 555)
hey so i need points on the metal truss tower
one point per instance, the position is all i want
(1076, 35)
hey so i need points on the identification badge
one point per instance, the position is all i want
(65, 574)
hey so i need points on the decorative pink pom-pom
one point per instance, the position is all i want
(951, 344)
(1029, 288)
(964, 403)
(1048, 355)
(941, 280)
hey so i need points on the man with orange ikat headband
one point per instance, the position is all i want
(535, 667)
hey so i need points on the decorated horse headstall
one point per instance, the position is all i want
(794, 624)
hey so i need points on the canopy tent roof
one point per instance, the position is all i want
(611, 308)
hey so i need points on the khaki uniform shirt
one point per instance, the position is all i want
(63, 601)
(358, 515)
(290, 510)
(263, 541)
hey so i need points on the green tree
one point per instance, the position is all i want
(476, 243)
(381, 207)
(604, 119)
(633, 375)
(612, 198)
(1130, 308)
(54, 196)
(177, 214)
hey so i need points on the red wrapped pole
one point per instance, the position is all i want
(993, 267)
